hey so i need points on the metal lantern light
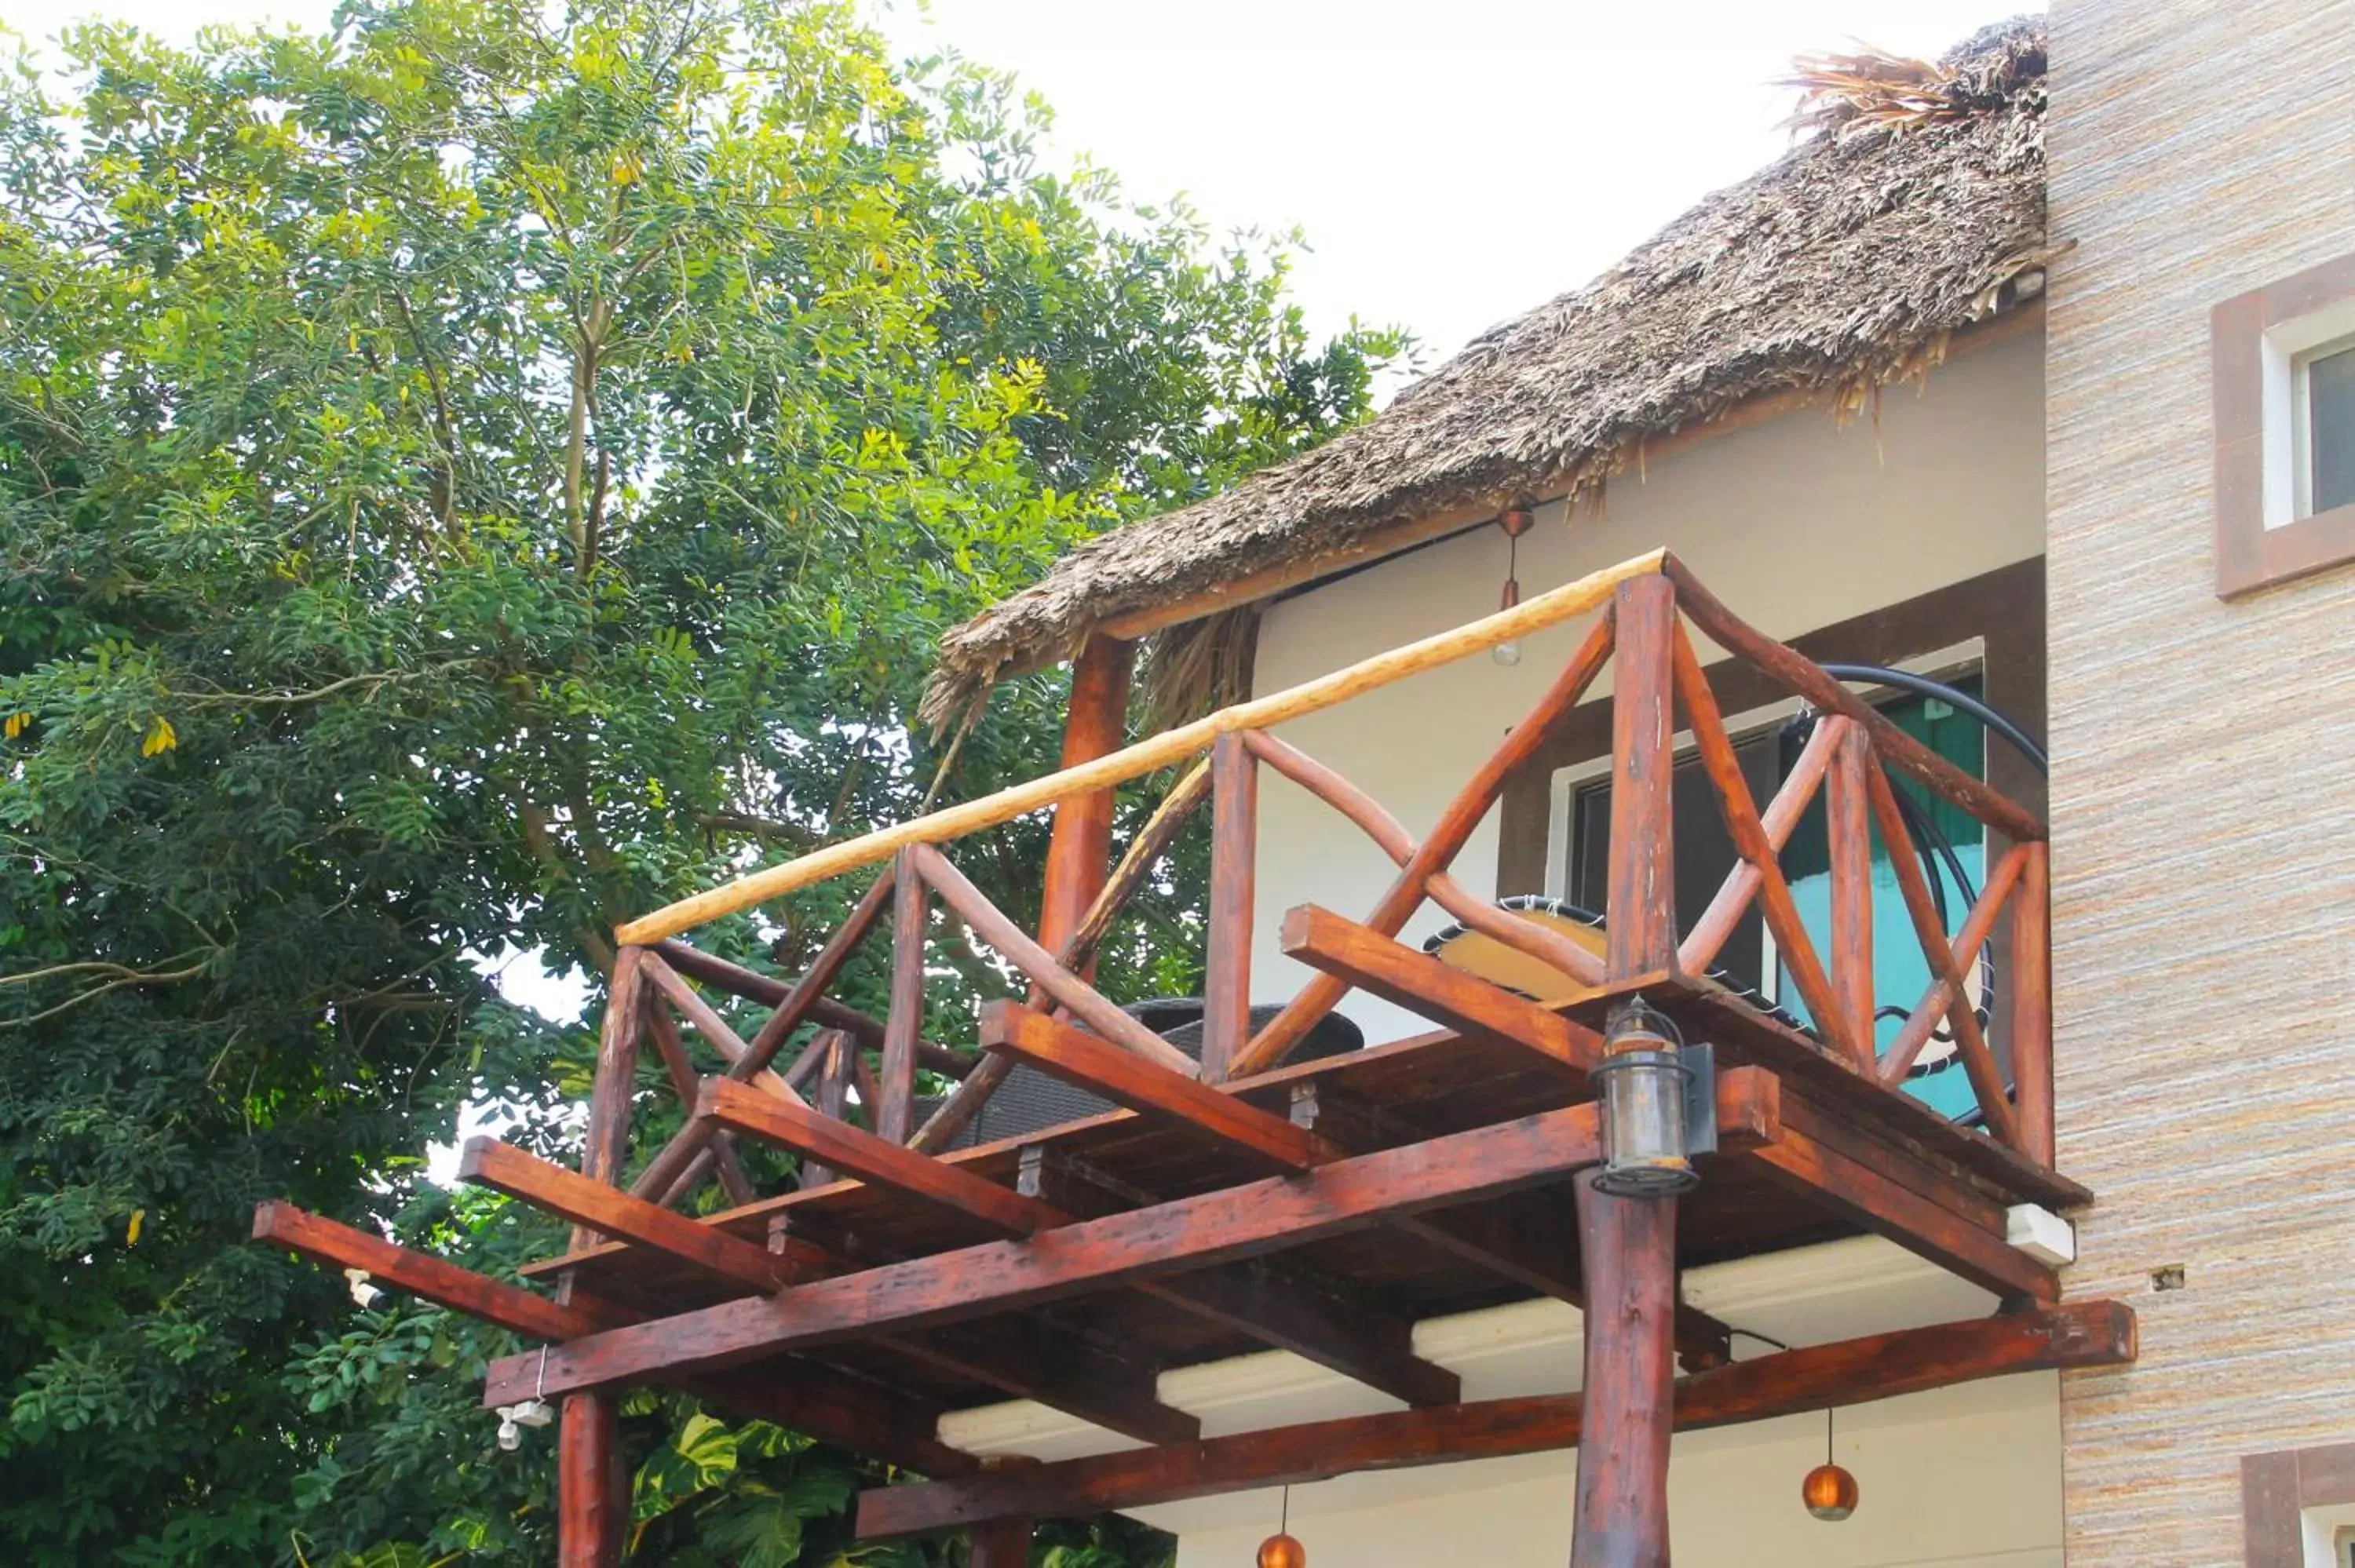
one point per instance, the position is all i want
(1646, 1141)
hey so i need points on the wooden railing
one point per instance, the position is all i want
(1649, 611)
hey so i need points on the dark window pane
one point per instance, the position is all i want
(2330, 427)
(1704, 851)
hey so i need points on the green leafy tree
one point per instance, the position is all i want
(466, 476)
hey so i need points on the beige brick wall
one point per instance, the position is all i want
(2204, 794)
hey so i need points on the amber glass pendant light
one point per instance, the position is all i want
(1828, 1491)
(1280, 1550)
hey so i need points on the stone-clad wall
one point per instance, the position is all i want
(2205, 793)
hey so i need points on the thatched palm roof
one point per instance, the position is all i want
(1915, 197)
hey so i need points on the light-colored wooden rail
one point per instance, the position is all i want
(1549, 609)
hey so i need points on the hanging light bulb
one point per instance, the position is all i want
(1515, 521)
(1829, 1492)
(1280, 1550)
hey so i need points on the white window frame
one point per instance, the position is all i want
(2288, 349)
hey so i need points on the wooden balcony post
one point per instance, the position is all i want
(831, 1096)
(1847, 823)
(592, 1503)
(1235, 849)
(903, 1020)
(1643, 884)
(607, 1138)
(1628, 1246)
(1001, 1543)
(2032, 1003)
(1079, 855)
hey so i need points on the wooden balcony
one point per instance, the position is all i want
(1322, 1207)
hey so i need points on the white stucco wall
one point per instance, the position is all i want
(1964, 1477)
(1961, 1475)
(1796, 522)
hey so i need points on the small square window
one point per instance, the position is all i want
(2326, 428)
(2283, 397)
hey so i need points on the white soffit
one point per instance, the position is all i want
(1813, 1295)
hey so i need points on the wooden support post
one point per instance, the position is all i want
(1234, 848)
(2030, 983)
(903, 1020)
(1627, 1246)
(608, 1135)
(1079, 854)
(1630, 1262)
(593, 1503)
(1001, 1543)
(1642, 878)
(830, 1102)
(1848, 822)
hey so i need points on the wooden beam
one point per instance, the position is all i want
(1436, 853)
(1039, 1361)
(1222, 1226)
(2030, 982)
(1937, 1000)
(1152, 842)
(1794, 947)
(1339, 1329)
(423, 1276)
(1520, 1238)
(1360, 1344)
(1848, 815)
(1234, 855)
(1642, 895)
(751, 985)
(1000, 1543)
(1781, 819)
(607, 1138)
(752, 1061)
(861, 1417)
(903, 1018)
(1803, 678)
(838, 1408)
(719, 1155)
(853, 1151)
(1079, 850)
(1389, 835)
(1447, 996)
(487, 1162)
(990, 923)
(1787, 1382)
(1556, 605)
(704, 1020)
(1970, 1040)
(1091, 1064)
(1889, 1191)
